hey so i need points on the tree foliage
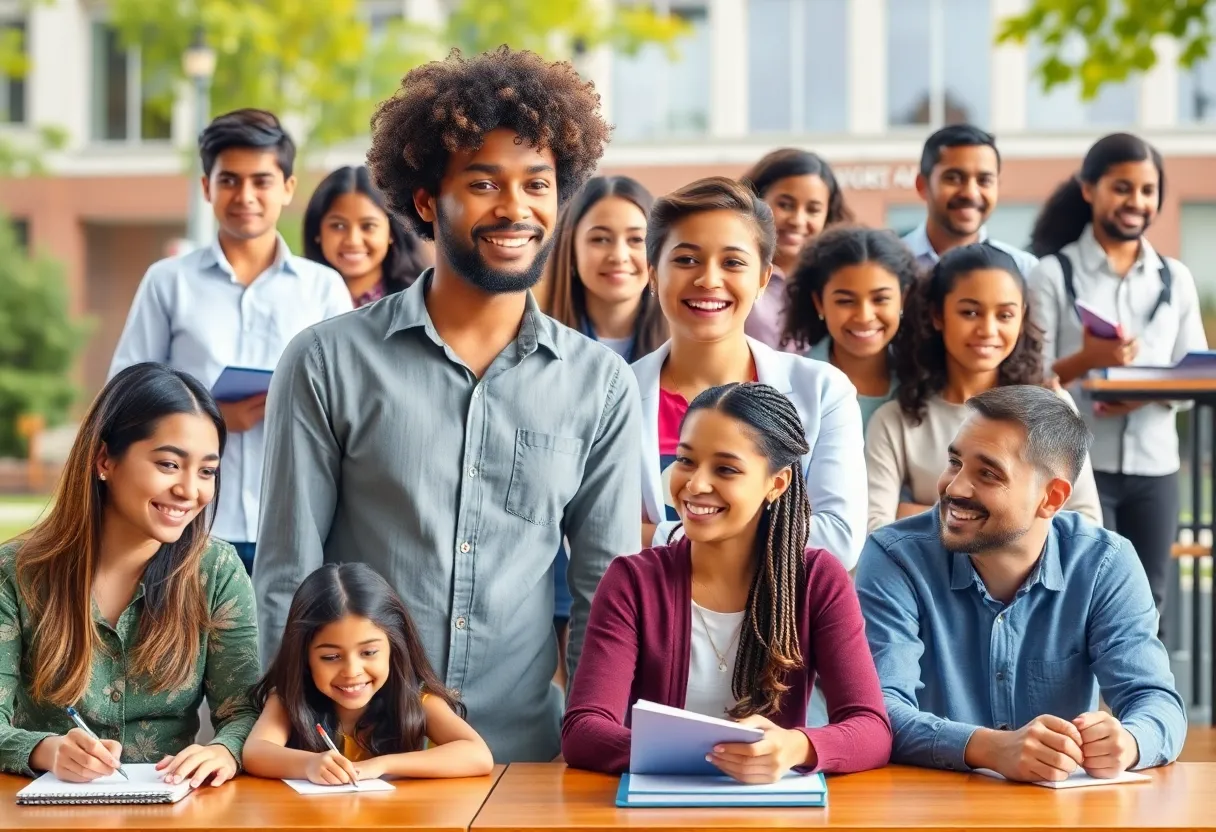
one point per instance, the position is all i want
(324, 64)
(39, 339)
(1098, 42)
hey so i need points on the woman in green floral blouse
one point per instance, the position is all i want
(120, 604)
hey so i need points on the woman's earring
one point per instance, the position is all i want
(821, 316)
(102, 477)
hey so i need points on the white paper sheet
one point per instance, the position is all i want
(307, 788)
(1079, 779)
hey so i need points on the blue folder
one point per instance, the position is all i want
(237, 383)
(655, 792)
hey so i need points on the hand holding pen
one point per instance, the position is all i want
(330, 768)
(82, 756)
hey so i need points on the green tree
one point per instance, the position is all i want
(1117, 34)
(39, 340)
(322, 62)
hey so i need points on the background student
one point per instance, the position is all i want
(351, 661)
(120, 605)
(348, 228)
(709, 246)
(236, 302)
(738, 618)
(968, 330)
(845, 303)
(1092, 229)
(959, 180)
(597, 285)
(805, 198)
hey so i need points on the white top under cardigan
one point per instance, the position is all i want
(834, 470)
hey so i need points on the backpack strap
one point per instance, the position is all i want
(1070, 287)
(1167, 288)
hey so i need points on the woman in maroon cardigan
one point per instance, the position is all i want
(740, 589)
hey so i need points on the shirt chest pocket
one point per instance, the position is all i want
(545, 475)
(1047, 679)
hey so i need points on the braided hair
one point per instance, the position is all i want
(768, 642)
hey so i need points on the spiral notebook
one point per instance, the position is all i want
(145, 786)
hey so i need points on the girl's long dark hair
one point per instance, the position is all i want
(406, 257)
(919, 348)
(833, 250)
(57, 559)
(568, 300)
(394, 721)
(1066, 213)
(769, 648)
(790, 161)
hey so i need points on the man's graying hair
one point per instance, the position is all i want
(1057, 440)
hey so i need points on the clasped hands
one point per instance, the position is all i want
(1051, 748)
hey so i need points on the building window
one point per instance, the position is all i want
(12, 89)
(1198, 250)
(21, 231)
(656, 96)
(797, 73)
(1197, 88)
(1116, 105)
(938, 62)
(122, 94)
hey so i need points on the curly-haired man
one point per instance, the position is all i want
(450, 435)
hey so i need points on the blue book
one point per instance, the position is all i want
(1198, 364)
(667, 740)
(237, 383)
(660, 791)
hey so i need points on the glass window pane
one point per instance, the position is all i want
(12, 90)
(109, 85)
(1199, 245)
(1012, 222)
(769, 70)
(1197, 88)
(903, 218)
(825, 45)
(1116, 105)
(655, 97)
(907, 62)
(968, 39)
(155, 116)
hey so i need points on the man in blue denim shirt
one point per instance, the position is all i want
(994, 619)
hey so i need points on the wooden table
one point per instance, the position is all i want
(1201, 392)
(248, 803)
(548, 796)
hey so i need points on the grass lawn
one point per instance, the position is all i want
(18, 512)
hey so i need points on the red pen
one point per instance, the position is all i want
(332, 747)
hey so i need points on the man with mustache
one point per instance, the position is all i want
(996, 619)
(450, 435)
(959, 179)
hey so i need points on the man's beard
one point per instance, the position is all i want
(980, 542)
(1116, 233)
(467, 261)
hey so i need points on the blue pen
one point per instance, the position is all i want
(81, 725)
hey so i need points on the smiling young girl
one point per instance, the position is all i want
(710, 248)
(121, 605)
(968, 330)
(805, 199)
(845, 302)
(348, 228)
(738, 618)
(351, 661)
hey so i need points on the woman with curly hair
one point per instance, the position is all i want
(845, 302)
(802, 191)
(450, 434)
(968, 330)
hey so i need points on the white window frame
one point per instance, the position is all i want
(134, 95)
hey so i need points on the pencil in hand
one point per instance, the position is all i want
(325, 736)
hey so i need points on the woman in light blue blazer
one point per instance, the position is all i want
(709, 247)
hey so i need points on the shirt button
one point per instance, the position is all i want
(477, 392)
(1000, 618)
(460, 623)
(465, 548)
(472, 472)
(1004, 726)
(115, 697)
(1000, 676)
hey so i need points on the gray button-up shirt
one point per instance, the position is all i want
(917, 241)
(384, 448)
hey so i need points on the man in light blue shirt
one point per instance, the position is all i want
(960, 170)
(237, 302)
(995, 619)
